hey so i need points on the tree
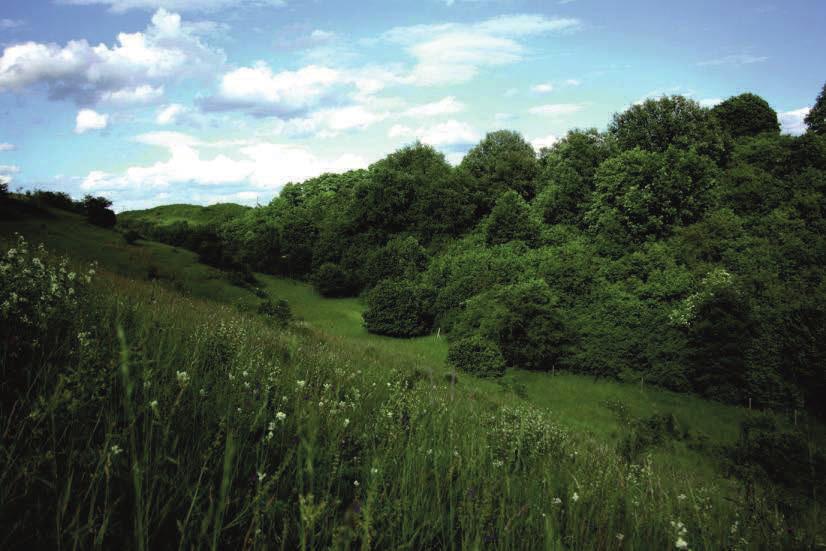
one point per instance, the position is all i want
(657, 124)
(331, 281)
(476, 355)
(746, 115)
(98, 211)
(511, 220)
(401, 257)
(641, 194)
(398, 308)
(4, 187)
(502, 161)
(816, 118)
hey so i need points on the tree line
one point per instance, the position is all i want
(683, 245)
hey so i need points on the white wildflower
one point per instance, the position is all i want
(280, 415)
(183, 377)
(575, 497)
(681, 543)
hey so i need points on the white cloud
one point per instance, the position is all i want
(120, 6)
(445, 106)
(168, 49)
(169, 114)
(7, 147)
(573, 82)
(543, 88)
(7, 170)
(143, 94)
(88, 119)
(449, 135)
(261, 165)
(319, 35)
(556, 109)
(542, 142)
(736, 59)
(791, 122)
(452, 52)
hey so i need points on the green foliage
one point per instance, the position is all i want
(511, 220)
(130, 237)
(477, 356)
(746, 115)
(398, 308)
(331, 281)
(523, 321)
(278, 311)
(98, 211)
(816, 117)
(670, 121)
(641, 194)
(503, 161)
(401, 257)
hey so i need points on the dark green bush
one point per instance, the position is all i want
(278, 311)
(476, 355)
(130, 236)
(332, 281)
(398, 308)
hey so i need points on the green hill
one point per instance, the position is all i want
(328, 435)
(194, 215)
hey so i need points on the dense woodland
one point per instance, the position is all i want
(684, 246)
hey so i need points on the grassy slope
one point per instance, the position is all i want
(577, 401)
(193, 214)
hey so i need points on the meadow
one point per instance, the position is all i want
(162, 412)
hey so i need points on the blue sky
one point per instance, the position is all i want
(158, 101)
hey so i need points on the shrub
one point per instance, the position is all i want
(98, 211)
(278, 311)
(398, 308)
(332, 281)
(130, 236)
(476, 355)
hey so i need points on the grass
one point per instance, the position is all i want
(168, 431)
(194, 215)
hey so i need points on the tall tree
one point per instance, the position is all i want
(816, 118)
(746, 115)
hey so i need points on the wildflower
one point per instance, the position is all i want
(620, 537)
(154, 405)
(280, 415)
(183, 377)
(346, 422)
(575, 497)
(374, 470)
(556, 501)
(681, 543)
(301, 384)
(261, 477)
(356, 483)
(498, 463)
(681, 497)
(202, 392)
(115, 449)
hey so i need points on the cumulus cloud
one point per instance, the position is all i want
(543, 142)
(88, 119)
(261, 165)
(455, 52)
(451, 135)
(143, 94)
(556, 109)
(167, 49)
(120, 6)
(7, 147)
(792, 122)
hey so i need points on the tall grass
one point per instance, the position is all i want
(150, 420)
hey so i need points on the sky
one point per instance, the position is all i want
(153, 102)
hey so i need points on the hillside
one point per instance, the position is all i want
(508, 449)
(194, 215)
